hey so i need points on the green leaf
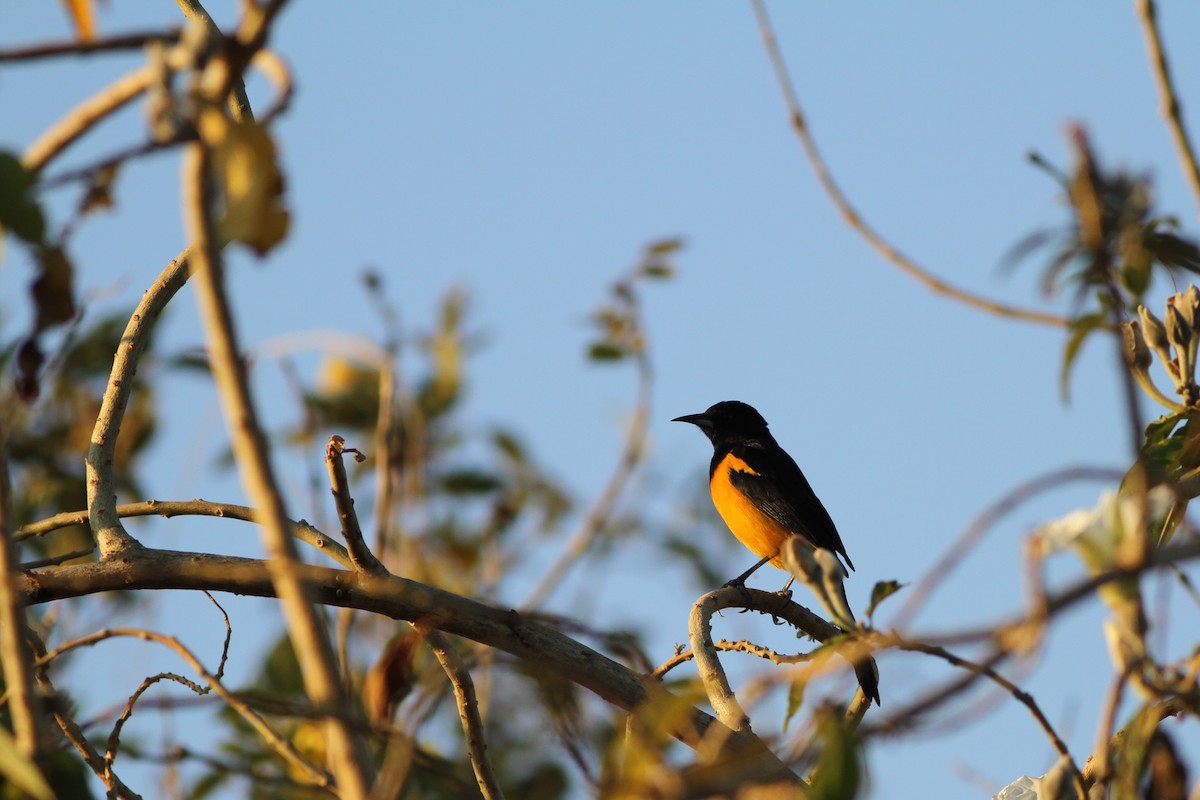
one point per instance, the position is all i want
(658, 271)
(795, 698)
(1081, 328)
(1161, 428)
(19, 212)
(469, 482)
(880, 592)
(21, 772)
(509, 445)
(53, 289)
(664, 246)
(606, 351)
(838, 772)
(1135, 272)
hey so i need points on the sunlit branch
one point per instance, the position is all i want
(851, 215)
(398, 598)
(468, 710)
(347, 756)
(360, 555)
(273, 740)
(109, 533)
(180, 508)
(632, 450)
(1169, 104)
(979, 526)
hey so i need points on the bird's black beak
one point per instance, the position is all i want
(699, 420)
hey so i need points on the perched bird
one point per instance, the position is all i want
(763, 496)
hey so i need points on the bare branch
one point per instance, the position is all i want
(277, 743)
(239, 103)
(78, 739)
(110, 534)
(468, 709)
(632, 451)
(398, 598)
(347, 756)
(851, 215)
(712, 674)
(1018, 694)
(78, 47)
(740, 646)
(179, 508)
(1169, 105)
(1065, 598)
(360, 555)
(83, 117)
(984, 522)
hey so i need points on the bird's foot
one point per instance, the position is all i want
(739, 583)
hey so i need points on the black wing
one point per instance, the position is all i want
(782, 492)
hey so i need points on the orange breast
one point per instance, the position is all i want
(762, 535)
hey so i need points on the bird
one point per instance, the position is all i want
(764, 498)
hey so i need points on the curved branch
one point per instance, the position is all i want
(111, 537)
(83, 117)
(851, 215)
(277, 743)
(398, 598)
(1168, 100)
(360, 555)
(712, 675)
(982, 523)
(1018, 694)
(1064, 599)
(593, 522)
(198, 508)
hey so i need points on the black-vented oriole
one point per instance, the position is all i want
(762, 495)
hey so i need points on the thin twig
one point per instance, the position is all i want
(181, 508)
(1018, 694)
(110, 534)
(239, 103)
(347, 756)
(114, 737)
(851, 215)
(273, 740)
(740, 646)
(399, 598)
(983, 523)
(597, 516)
(83, 117)
(1068, 597)
(76, 47)
(61, 558)
(1168, 99)
(78, 739)
(115, 160)
(360, 555)
(1097, 767)
(468, 709)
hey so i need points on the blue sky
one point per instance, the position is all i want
(529, 151)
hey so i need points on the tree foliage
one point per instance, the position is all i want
(397, 671)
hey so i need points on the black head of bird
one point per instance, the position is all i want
(729, 421)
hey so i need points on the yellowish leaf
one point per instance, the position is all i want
(246, 166)
(83, 16)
